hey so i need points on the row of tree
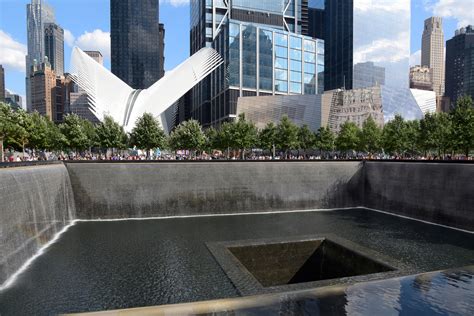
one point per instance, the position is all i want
(441, 133)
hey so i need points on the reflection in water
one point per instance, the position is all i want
(437, 293)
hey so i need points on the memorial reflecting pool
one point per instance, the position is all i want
(104, 265)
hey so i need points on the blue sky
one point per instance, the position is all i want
(87, 25)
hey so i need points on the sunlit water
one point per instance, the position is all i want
(124, 264)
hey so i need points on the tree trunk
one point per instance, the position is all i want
(1, 150)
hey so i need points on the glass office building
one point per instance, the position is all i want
(263, 61)
(264, 52)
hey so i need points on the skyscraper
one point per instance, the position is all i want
(432, 52)
(43, 93)
(54, 47)
(315, 25)
(264, 50)
(2, 84)
(137, 42)
(460, 64)
(38, 13)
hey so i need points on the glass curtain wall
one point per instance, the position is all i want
(274, 61)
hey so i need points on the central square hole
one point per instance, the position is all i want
(304, 261)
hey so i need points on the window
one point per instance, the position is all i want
(295, 87)
(295, 54)
(281, 86)
(309, 46)
(281, 40)
(295, 42)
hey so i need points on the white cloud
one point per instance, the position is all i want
(415, 58)
(175, 3)
(12, 53)
(95, 40)
(376, 51)
(69, 38)
(460, 10)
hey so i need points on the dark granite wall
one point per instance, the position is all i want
(122, 190)
(38, 201)
(35, 203)
(437, 192)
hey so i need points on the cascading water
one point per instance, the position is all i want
(36, 203)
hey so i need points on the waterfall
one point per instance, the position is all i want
(36, 203)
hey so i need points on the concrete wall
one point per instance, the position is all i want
(437, 192)
(122, 190)
(35, 203)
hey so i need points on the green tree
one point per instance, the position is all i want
(212, 139)
(55, 139)
(306, 138)
(110, 134)
(267, 137)
(462, 119)
(147, 133)
(24, 125)
(8, 126)
(435, 132)
(370, 136)
(394, 136)
(287, 135)
(325, 139)
(188, 135)
(411, 134)
(226, 137)
(76, 132)
(245, 134)
(38, 131)
(348, 137)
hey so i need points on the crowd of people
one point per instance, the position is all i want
(134, 155)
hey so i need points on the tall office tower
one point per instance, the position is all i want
(460, 64)
(264, 54)
(2, 84)
(54, 47)
(368, 44)
(315, 25)
(432, 52)
(43, 84)
(38, 13)
(137, 42)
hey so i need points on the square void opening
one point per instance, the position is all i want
(304, 261)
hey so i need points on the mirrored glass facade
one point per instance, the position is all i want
(368, 45)
(273, 61)
(381, 38)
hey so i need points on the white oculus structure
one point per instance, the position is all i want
(108, 95)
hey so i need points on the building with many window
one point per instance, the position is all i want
(432, 52)
(460, 64)
(137, 42)
(43, 93)
(264, 54)
(38, 14)
(54, 47)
